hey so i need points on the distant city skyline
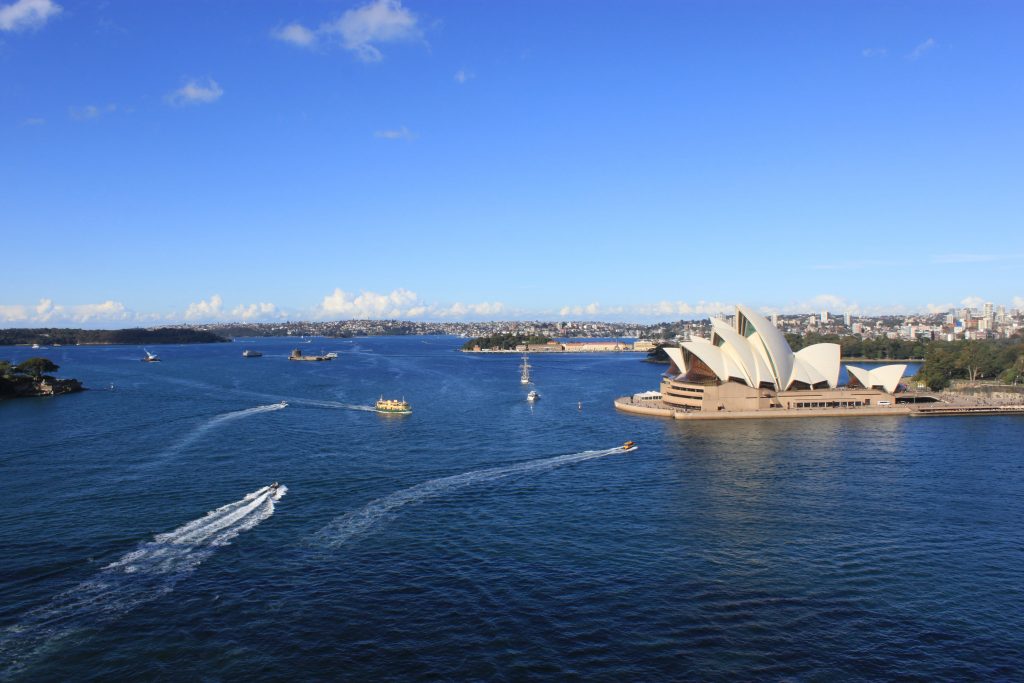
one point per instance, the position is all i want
(406, 305)
(165, 162)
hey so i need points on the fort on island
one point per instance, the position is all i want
(747, 369)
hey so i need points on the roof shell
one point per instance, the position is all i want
(886, 376)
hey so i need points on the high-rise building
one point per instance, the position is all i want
(857, 328)
(988, 310)
(775, 319)
(824, 317)
(847, 319)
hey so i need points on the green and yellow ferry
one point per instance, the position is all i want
(392, 406)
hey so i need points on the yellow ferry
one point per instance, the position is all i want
(393, 406)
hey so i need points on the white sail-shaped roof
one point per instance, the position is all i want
(887, 376)
(755, 353)
(754, 367)
(824, 358)
(769, 341)
(676, 356)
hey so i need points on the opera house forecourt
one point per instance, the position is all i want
(747, 369)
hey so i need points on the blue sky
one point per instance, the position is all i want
(601, 160)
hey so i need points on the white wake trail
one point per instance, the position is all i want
(339, 530)
(142, 575)
(219, 420)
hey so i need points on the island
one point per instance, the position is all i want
(60, 336)
(522, 343)
(503, 341)
(28, 378)
(297, 354)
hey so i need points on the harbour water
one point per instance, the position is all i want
(483, 537)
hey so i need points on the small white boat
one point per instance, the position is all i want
(532, 396)
(332, 354)
(35, 346)
(150, 357)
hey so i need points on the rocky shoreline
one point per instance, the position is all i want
(47, 386)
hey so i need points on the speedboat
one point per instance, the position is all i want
(532, 396)
(283, 404)
(276, 490)
(629, 446)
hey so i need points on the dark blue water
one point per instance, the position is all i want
(482, 538)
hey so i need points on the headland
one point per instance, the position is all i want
(747, 370)
(27, 379)
(59, 336)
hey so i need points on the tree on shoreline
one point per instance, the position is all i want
(35, 367)
(971, 360)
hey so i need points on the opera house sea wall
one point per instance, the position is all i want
(748, 367)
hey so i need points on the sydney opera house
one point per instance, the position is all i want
(749, 366)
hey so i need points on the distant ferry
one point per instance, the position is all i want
(251, 354)
(532, 396)
(150, 357)
(393, 406)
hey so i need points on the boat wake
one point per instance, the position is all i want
(220, 420)
(140, 576)
(339, 530)
(331, 404)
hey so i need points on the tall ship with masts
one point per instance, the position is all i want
(524, 371)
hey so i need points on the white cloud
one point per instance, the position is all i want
(196, 92)
(1018, 302)
(91, 111)
(205, 310)
(874, 52)
(341, 304)
(972, 302)
(359, 30)
(13, 313)
(462, 75)
(680, 308)
(590, 309)
(26, 14)
(254, 311)
(922, 49)
(381, 21)
(296, 34)
(461, 310)
(402, 133)
(938, 308)
(400, 303)
(46, 311)
(108, 310)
